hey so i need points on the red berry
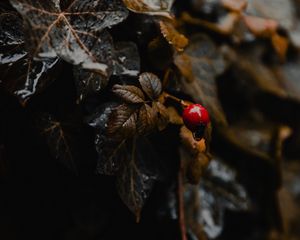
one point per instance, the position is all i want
(194, 116)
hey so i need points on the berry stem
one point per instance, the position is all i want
(183, 103)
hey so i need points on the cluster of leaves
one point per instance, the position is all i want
(238, 58)
(48, 35)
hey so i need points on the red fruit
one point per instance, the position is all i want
(194, 116)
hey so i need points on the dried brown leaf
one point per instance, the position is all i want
(176, 39)
(150, 7)
(151, 85)
(129, 93)
(162, 115)
(194, 155)
(122, 121)
(146, 120)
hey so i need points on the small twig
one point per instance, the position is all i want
(183, 103)
(181, 203)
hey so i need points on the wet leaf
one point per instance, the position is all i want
(176, 39)
(90, 81)
(126, 59)
(111, 155)
(11, 30)
(70, 33)
(200, 64)
(129, 93)
(60, 142)
(137, 175)
(151, 85)
(109, 141)
(151, 7)
(21, 75)
(27, 77)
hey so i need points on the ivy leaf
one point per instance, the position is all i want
(11, 33)
(176, 39)
(126, 59)
(70, 32)
(111, 154)
(60, 142)
(150, 7)
(151, 85)
(200, 64)
(121, 152)
(91, 81)
(36, 78)
(22, 76)
(137, 175)
(108, 145)
(130, 94)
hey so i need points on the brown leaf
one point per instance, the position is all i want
(70, 33)
(194, 155)
(225, 24)
(151, 85)
(280, 45)
(146, 120)
(188, 140)
(174, 116)
(176, 39)
(122, 121)
(200, 64)
(150, 7)
(129, 93)
(162, 115)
